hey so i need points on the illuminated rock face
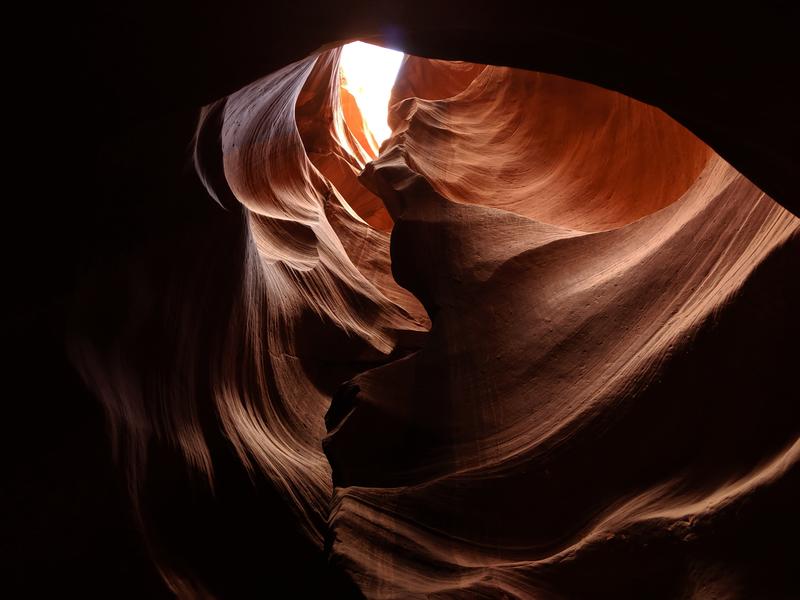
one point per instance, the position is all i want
(565, 408)
(540, 383)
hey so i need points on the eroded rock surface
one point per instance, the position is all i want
(561, 374)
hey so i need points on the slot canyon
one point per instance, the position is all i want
(534, 337)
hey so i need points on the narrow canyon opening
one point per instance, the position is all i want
(368, 74)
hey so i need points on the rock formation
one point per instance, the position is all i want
(539, 344)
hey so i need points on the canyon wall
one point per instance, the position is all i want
(578, 409)
(543, 346)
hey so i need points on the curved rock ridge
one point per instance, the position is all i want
(561, 151)
(305, 286)
(534, 349)
(430, 79)
(585, 389)
(343, 145)
(306, 301)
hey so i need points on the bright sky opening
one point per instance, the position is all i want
(369, 73)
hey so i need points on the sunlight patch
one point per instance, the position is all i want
(368, 73)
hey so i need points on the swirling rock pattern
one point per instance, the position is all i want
(562, 375)
(576, 398)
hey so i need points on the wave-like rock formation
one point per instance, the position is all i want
(534, 349)
(584, 406)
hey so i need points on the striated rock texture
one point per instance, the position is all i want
(591, 402)
(542, 344)
(585, 417)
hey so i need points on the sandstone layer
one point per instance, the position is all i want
(557, 376)
(544, 346)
